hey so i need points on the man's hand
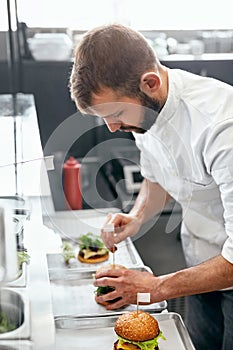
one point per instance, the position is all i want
(211, 275)
(151, 200)
(127, 284)
(125, 225)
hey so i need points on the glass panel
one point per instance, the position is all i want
(21, 151)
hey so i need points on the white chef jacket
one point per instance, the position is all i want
(189, 152)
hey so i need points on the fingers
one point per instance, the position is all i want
(121, 233)
(116, 305)
(108, 239)
(108, 275)
(107, 233)
(108, 219)
(126, 283)
(111, 302)
(122, 229)
(106, 298)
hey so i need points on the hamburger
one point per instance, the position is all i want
(137, 330)
(107, 289)
(92, 249)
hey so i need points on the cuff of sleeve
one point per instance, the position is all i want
(227, 250)
(148, 176)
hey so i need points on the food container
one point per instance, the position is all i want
(19, 230)
(21, 281)
(75, 296)
(50, 46)
(126, 255)
(86, 332)
(14, 304)
(8, 255)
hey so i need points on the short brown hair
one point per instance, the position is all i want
(111, 56)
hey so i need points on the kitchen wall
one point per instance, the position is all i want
(48, 81)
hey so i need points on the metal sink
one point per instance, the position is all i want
(15, 305)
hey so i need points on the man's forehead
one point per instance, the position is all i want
(104, 95)
(110, 109)
(105, 109)
(102, 100)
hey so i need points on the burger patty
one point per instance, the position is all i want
(81, 253)
(131, 346)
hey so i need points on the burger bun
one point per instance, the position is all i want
(137, 326)
(110, 267)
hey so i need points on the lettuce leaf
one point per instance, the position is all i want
(104, 290)
(91, 241)
(145, 345)
(5, 324)
(67, 251)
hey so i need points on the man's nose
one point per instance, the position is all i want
(113, 125)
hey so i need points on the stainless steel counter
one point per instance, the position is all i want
(38, 285)
(26, 301)
(20, 190)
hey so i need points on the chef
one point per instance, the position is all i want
(183, 127)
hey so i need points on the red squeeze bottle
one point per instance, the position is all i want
(72, 183)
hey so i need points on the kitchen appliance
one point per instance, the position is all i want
(130, 172)
(123, 174)
(126, 165)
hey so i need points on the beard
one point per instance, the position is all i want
(152, 109)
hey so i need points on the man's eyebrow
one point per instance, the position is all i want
(109, 115)
(114, 114)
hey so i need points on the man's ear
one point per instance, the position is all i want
(150, 82)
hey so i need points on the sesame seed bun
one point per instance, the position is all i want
(110, 266)
(137, 326)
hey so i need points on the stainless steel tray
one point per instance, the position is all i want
(75, 297)
(83, 332)
(71, 224)
(126, 255)
(16, 345)
(21, 281)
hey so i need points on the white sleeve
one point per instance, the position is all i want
(219, 160)
(145, 162)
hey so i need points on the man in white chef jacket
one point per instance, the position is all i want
(183, 126)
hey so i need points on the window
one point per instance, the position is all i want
(141, 15)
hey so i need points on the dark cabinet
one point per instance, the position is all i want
(221, 69)
(48, 81)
